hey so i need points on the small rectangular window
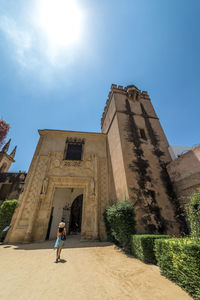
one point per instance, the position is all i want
(142, 134)
(74, 152)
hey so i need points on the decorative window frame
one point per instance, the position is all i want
(75, 141)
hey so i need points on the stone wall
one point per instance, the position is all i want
(5, 162)
(185, 174)
(11, 185)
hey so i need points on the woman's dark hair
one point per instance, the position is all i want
(60, 229)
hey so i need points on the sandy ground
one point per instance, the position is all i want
(88, 271)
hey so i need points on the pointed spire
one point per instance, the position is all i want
(6, 146)
(12, 154)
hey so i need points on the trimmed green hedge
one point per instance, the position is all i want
(120, 224)
(193, 214)
(142, 246)
(6, 211)
(179, 260)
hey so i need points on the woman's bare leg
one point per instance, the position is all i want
(57, 254)
(60, 249)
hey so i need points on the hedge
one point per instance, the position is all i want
(179, 260)
(120, 224)
(6, 211)
(193, 214)
(142, 246)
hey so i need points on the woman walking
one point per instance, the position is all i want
(61, 237)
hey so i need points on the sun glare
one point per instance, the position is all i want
(60, 20)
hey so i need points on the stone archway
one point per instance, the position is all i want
(61, 209)
(30, 221)
(89, 225)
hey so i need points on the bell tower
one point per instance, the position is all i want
(138, 151)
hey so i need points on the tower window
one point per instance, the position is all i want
(74, 149)
(142, 134)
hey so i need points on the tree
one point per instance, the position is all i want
(6, 212)
(4, 128)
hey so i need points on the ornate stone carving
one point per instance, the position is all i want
(92, 187)
(75, 140)
(102, 193)
(59, 155)
(30, 199)
(55, 163)
(44, 186)
(83, 167)
(72, 163)
(38, 177)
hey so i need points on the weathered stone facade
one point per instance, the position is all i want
(6, 159)
(31, 219)
(126, 161)
(184, 173)
(11, 185)
(139, 154)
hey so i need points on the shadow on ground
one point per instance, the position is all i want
(63, 261)
(72, 241)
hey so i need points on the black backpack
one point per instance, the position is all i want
(63, 237)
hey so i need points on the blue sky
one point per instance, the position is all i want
(154, 44)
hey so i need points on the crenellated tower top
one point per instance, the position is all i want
(131, 91)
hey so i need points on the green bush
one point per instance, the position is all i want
(142, 246)
(193, 214)
(179, 260)
(120, 224)
(6, 211)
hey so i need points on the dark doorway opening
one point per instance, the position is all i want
(76, 215)
(49, 226)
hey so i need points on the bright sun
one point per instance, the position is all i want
(60, 20)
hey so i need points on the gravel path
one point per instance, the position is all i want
(88, 271)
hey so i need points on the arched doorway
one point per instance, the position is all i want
(76, 215)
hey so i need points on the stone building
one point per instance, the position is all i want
(11, 184)
(73, 176)
(184, 173)
(6, 159)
